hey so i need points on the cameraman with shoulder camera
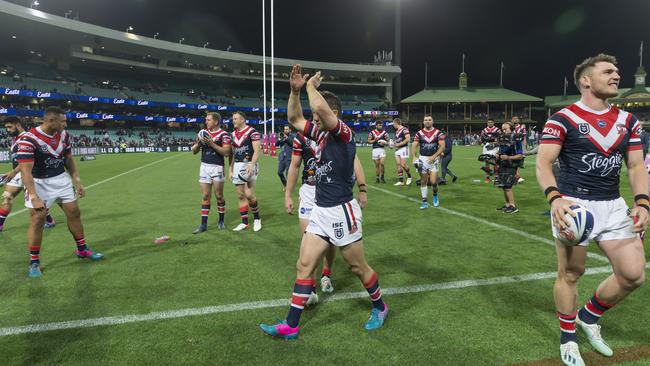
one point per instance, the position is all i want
(510, 158)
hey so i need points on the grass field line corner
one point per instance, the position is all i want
(538, 238)
(229, 308)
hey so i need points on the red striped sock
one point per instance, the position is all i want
(567, 327)
(34, 254)
(372, 286)
(81, 244)
(243, 212)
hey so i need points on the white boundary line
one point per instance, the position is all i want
(229, 308)
(109, 179)
(488, 223)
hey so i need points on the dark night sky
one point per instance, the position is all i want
(538, 41)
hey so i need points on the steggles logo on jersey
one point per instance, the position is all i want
(322, 171)
(584, 128)
(602, 164)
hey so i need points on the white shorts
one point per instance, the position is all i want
(53, 190)
(209, 173)
(402, 152)
(428, 167)
(238, 173)
(339, 225)
(16, 181)
(493, 151)
(378, 153)
(307, 196)
(611, 220)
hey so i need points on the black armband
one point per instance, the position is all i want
(550, 190)
(639, 197)
(647, 208)
(553, 199)
(361, 185)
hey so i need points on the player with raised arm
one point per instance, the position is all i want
(428, 145)
(246, 147)
(592, 138)
(44, 154)
(305, 152)
(336, 217)
(214, 145)
(401, 146)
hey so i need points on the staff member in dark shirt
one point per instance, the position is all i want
(446, 159)
(285, 143)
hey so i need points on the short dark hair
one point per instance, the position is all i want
(12, 120)
(398, 120)
(53, 110)
(332, 101)
(588, 63)
(240, 113)
(216, 116)
(490, 119)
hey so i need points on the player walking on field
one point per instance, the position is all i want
(591, 138)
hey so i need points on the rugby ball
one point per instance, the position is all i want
(391, 143)
(203, 134)
(581, 226)
(382, 143)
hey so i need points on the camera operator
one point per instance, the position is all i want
(509, 159)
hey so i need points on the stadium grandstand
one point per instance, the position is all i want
(122, 81)
(463, 110)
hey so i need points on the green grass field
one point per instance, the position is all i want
(461, 290)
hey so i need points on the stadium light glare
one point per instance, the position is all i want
(13, 37)
(129, 29)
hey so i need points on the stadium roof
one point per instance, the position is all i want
(625, 95)
(74, 40)
(469, 95)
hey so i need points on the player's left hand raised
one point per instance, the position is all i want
(315, 80)
(640, 217)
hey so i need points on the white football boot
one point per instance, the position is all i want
(570, 354)
(240, 227)
(257, 225)
(326, 284)
(592, 331)
(312, 300)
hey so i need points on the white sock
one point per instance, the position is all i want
(425, 191)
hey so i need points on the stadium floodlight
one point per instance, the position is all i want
(205, 45)
(180, 41)
(155, 36)
(129, 29)
(34, 4)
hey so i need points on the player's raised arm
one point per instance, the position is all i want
(318, 105)
(294, 108)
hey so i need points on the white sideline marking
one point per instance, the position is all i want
(182, 313)
(109, 179)
(488, 223)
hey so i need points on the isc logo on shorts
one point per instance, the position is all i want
(338, 230)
